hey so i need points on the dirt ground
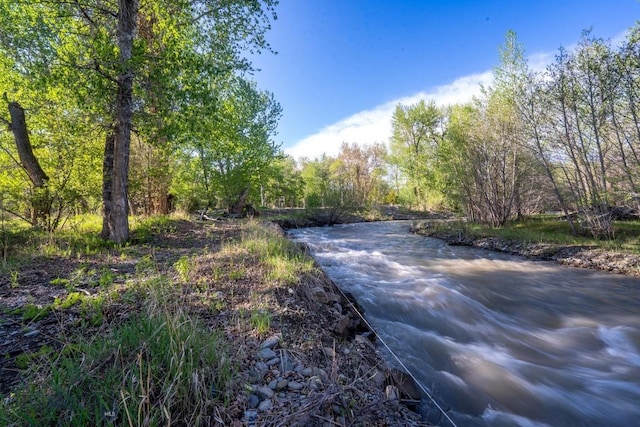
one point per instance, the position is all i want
(353, 385)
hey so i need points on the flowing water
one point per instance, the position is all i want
(497, 339)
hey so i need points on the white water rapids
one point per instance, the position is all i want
(498, 340)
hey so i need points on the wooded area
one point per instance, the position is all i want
(144, 106)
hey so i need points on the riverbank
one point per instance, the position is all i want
(575, 255)
(215, 323)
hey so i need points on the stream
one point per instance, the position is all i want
(498, 340)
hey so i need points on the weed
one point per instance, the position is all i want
(69, 301)
(13, 278)
(24, 360)
(184, 267)
(106, 278)
(238, 273)
(60, 282)
(260, 321)
(159, 367)
(32, 312)
(146, 264)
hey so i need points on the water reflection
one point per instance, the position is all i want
(499, 339)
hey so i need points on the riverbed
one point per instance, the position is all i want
(495, 339)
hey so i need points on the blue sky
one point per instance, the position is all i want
(343, 65)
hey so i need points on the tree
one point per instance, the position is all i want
(417, 131)
(484, 157)
(361, 168)
(233, 142)
(126, 79)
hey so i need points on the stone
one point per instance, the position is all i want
(266, 354)
(264, 392)
(286, 362)
(295, 385)
(251, 416)
(271, 342)
(315, 383)
(342, 325)
(254, 401)
(322, 374)
(393, 394)
(329, 352)
(307, 372)
(281, 385)
(405, 383)
(265, 405)
(272, 384)
(273, 361)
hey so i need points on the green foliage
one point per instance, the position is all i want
(260, 321)
(184, 267)
(418, 131)
(31, 312)
(61, 61)
(95, 382)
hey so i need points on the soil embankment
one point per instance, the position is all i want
(575, 256)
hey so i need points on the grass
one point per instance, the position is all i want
(158, 364)
(159, 367)
(544, 229)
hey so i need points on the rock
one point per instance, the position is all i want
(317, 294)
(264, 392)
(265, 405)
(256, 375)
(272, 384)
(322, 374)
(295, 385)
(32, 333)
(254, 401)
(281, 385)
(378, 378)
(307, 372)
(250, 416)
(362, 340)
(331, 297)
(315, 383)
(342, 326)
(273, 361)
(405, 383)
(286, 361)
(266, 354)
(393, 394)
(329, 352)
(271, 342)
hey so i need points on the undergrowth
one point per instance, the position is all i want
(161, 366)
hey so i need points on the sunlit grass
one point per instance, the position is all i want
(161, 366)
(284, 261)
(544, 229)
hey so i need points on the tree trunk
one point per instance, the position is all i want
(40, 205)
(238, 207)
(29, 162)
(119, 218)
(107, 183)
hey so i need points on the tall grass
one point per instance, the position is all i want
(284, 261)
(159, 367)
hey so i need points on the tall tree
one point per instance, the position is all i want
(417, 131)
(125, 79)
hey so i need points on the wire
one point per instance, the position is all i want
(423, 388)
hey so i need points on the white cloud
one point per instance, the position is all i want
(370, 126)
